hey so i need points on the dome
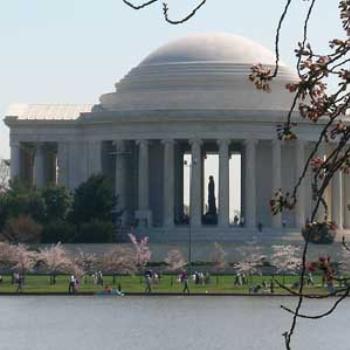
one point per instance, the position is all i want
(216, 47)
(201, 72)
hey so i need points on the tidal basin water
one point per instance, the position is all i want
(164, 323)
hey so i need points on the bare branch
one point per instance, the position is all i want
(184, 19)
(139, 7)
(308, 296)
(278, 34)
(317, 317)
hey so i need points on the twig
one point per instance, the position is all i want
(184, 19)
(317, 317)
(139, 7)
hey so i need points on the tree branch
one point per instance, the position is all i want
(317, 317)
(184, 19)
(139, 7)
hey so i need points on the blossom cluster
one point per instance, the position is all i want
(324, 265)
(142, 251)
(344, 6)
(281, 201)
(286, 258)
(175, 260)
(261, 76)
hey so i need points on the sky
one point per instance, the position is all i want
(72, 51)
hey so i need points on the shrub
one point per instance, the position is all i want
(95, 231)
(58, 231)
(22, 229)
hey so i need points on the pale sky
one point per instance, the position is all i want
(72, 51)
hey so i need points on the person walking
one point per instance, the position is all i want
(71, 285)
(148, 284)
(19, 282)
(184, 281)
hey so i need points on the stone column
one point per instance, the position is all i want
(95, 158)
(250, 183)
(39, 163)
(301, 195)
(168, 183)
(196, 184)
(276, 177)
(179, 180)
(338, 199)
(15, 162)
(224, 183)
(63, 164)
(143, 214)
(120, 175)
(143, 175)
(51, 165)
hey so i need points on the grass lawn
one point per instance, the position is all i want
(168, 284)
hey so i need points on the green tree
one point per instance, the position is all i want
(21, 200)
(58, 201)
(94, 199)
(95, 231)
(59, 230)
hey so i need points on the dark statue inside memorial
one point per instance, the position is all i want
(211, 216)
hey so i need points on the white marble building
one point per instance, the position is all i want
(191, 96)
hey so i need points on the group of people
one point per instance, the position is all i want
(151, 278)
(98, 278)
(263, 287)
(201, 278)
(240, 279)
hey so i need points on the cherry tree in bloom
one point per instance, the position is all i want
(175, 260)
(86, 261)
(250, 265)
(218, 257)
(6, 250)
(120, 260)
(252, 260)
(142, 250)
(22, 259)
(55, 260)
(286, 258)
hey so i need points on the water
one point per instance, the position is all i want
(164, 323)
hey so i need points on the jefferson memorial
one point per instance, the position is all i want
(186, 100)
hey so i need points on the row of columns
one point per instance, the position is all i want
(94, 167)
(40, 166)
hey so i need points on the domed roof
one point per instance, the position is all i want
(212, 47)
(201, 72)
